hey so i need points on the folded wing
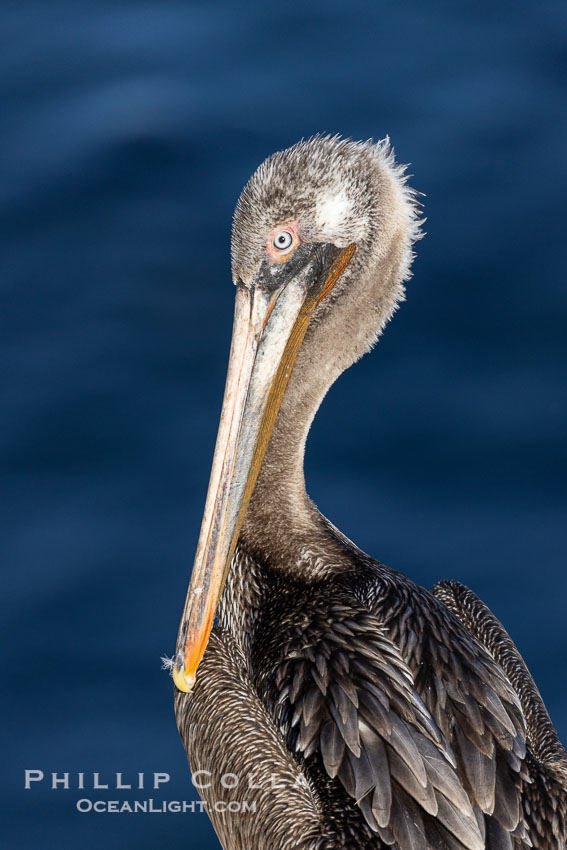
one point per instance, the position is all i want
(351, 701)
(544, 791)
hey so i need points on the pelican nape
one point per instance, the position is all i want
(350, 707)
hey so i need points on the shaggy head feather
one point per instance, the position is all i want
(338, 191)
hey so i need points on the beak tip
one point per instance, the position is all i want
(182, 681)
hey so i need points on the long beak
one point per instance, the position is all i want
(269, 325)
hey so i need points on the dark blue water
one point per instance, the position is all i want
(128, 131)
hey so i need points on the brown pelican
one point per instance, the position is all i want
(345, 704)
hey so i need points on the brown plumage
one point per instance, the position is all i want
(355, 708)
(544, 799)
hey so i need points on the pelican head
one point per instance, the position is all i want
(321, 246)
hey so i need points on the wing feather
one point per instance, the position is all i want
(467, 694)
(360, 713)
(532, 773)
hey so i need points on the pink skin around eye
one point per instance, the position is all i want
(276, 255)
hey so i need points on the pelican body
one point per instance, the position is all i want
(348, 707)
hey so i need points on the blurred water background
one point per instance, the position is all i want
(129, 129)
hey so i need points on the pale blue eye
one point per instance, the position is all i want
(283, 240)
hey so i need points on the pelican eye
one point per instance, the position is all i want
(283, 240)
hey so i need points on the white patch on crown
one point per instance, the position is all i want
(337, 220)
(332, 211)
